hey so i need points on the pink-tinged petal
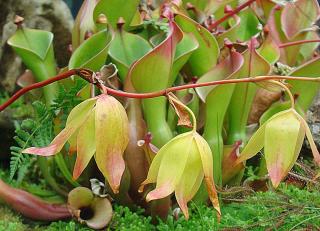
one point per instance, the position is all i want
(55, 146)
(213, 196)
(73, 143)
(313, 146)
(205, 154)
(183, 204)
(115, 165)
(82, 107)
(183, 200)
(112, 137)
(160, 192)
(75, 119)
(86, 145)
(190, 181)
(207, 164)
(230, 33)
(256, 142)
(283, 141)
(174, 161)
(298, 16)
(154, 167)
(169, 164)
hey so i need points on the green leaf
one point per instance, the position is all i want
(125, 49)
(306, 91)
(32, 42)
(249, 25)
(269, 50)
(92, 53)
(206, 56)
(114, 9)
(231, 33)
(307, 50)
(243, 95)
(288, 55)
(83, 23)
(86, 145)
(298, 16)
(266, 6)
(224, 70)
(36, 51)
(217, 100)
(154, 70)
(184, 50)
(208, 6)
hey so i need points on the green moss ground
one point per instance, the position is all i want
(289, 208)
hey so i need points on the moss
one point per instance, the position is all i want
(282, 209)
(285, 209)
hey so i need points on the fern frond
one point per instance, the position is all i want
(38, 131)
(31, 133)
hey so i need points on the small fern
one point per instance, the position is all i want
(38, 131)
(32, 132)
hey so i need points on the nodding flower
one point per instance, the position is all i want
(281, 137)
(180, 166)
(96, 127)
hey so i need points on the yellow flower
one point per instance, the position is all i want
(282, 137)
(96, 127)
(180, 166)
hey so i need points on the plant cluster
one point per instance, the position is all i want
(166, 94)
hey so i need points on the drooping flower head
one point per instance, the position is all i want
(96, 127)
(281, 137)
(181, 165)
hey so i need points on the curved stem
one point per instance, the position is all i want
(287, 90)
(87, 75)
(24, 90)
(230, 14)
(194, 129)
(283, 45)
